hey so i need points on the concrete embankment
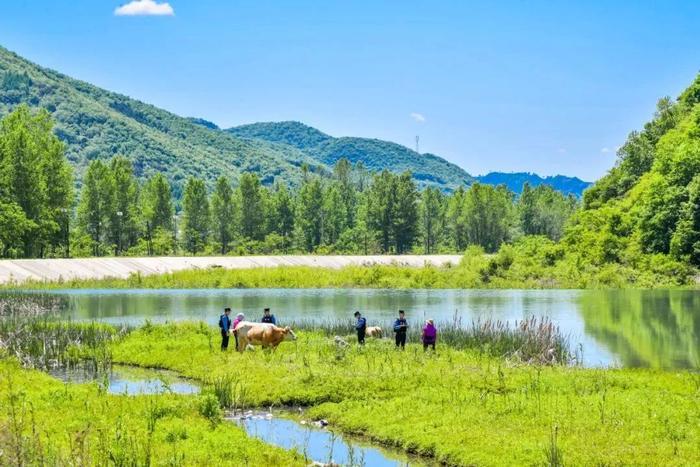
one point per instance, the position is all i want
(19, 271)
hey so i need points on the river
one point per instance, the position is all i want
(630, 328)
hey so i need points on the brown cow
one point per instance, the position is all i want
(374, 331)
(265, 334)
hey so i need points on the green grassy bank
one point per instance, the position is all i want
(534, 263)
(461, 407)
(46, 422)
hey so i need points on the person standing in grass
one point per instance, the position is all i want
(429, 335)
(360, 327)
(225, 325)
(401, 328)
(267, 317)
(239, 317)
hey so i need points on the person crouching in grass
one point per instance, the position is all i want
(429, 335)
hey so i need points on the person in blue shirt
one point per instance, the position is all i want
(267, 317)
(401, 329)
(360, 327)
(225, 325)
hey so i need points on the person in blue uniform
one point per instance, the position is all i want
(225, 326)
(267, 317)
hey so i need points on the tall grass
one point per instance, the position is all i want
(31, 332)
(533, 340)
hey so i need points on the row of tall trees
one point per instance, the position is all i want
(344, 213)
(36, 187)
(348, 211)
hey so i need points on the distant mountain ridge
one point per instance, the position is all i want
(515, 181)
(375, 154)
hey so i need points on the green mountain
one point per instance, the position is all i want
(646, 211)
(98, 124)
(515, 181)
(375, 154)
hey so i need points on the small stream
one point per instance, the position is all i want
(129, 380)
(313, 439)
(319, 443)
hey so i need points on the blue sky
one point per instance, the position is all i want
(550, 87)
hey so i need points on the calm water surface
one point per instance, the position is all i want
(322, 445)
(130, 381)
(659, 328)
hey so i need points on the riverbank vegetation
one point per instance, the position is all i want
(530, 263)
(461, 407)
(490, 395)
(44, 421)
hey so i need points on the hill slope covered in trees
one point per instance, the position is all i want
(98, 124)
(646, 210)
(375, 154)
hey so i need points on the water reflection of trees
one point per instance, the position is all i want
(649, 328)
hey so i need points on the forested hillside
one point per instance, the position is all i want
(647, 207)
(515, 181)
(97, 124)
(374, 154)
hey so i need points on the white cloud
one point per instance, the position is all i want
(417, 117)
(145, 8)
(605, 150)
(562, 151)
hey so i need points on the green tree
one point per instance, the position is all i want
(125, 219)
(334, 214)
(431, 218)
(488, 215)
(685, 242)
(60, 192)
(13, 226)
(96, 208)
(282, 213)
(250, 201)
(381, 208)
(309, 218)
(157, 211)
(456, 220)
(35, 176)
(196, 216)
(223, 213)
(343, 175)
(544, 211)
(405, 222)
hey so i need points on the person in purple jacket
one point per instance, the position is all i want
(429, 335)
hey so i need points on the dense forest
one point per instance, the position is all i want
(350, 211)
(649, 203)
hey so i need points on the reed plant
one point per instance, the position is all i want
(535, 340)
(31, 332)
